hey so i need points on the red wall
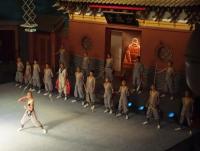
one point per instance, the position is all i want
(176, 40)
(96, 32)
(150, 39)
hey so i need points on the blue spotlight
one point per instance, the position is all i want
(141, 108)
(130, 104)
(171, 115)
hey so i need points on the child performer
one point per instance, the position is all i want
(90, 91)
(27, 75)
(169, 80)
(62, 84)
(85, 64)
(19, 73)
(123, 100)
(30, 113)
(153, 106)
(109, 68)
(108, 91)
(186, 112)
(138, 71)
(36, 77)
(78, 90)
(48, 75)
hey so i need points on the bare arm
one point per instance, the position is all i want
(22, 99)
(161, 71)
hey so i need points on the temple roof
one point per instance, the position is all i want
(159, 3)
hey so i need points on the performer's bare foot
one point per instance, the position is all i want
(82, 103)
(92, 108)
(44, 131)
(178, 129)
(46, 93)
(86, 105)
(58, 97)
(158, 126)
(106, 111)
(163, 95)
(119, 114)
(145, 123)
(20, 129)
(73, 101)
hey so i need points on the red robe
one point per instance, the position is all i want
(68, 86)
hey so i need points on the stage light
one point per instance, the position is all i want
(171, 115)
(130, 104)
(29, 16)
(141, 108)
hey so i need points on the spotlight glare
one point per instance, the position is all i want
(171, 114)
(130, 104)
(141, 108)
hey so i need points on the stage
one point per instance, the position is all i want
(74, 128)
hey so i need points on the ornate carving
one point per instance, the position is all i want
(163, 52)
(86, 43)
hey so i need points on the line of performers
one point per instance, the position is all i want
(85, 84)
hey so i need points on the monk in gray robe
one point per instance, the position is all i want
(36, 77)
(30, 113)
(48, 75)
(169, 80)
(109, 68)
(153, 106)
(79, 85)
(19, 73)
(85, 65)
(138, 72)
(186, 112)
(27, 75)
(123, 100)
(108, 91)
(90, 91)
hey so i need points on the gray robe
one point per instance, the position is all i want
(108, 95)
(48, 75)
(27, 74)
(186, 110)
(78, 90)
(137, 74)
(85, 66)
(123, 100)
(36, 76)
(169, 80)
(19, 72)
(90, 90)
(109, 69)
(153, 103)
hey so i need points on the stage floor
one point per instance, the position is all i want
(74, 128)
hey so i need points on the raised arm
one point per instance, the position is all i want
(22, 99)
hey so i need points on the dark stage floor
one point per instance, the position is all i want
(74, 128)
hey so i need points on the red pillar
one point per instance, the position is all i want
(31, 46)
(53, 50)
